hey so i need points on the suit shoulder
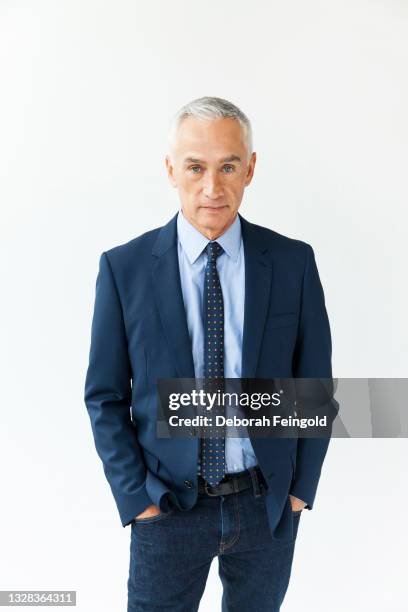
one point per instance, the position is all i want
(281, 243)
(136, 247)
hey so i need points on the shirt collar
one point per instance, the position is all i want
(194, 242)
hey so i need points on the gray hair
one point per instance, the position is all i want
(212, 108)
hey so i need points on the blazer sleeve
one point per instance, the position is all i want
(312, 359)
(108, 400)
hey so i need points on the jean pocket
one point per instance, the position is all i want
(152, 519)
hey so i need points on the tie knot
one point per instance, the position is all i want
(213, 250)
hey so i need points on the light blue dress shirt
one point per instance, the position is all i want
(239, 454)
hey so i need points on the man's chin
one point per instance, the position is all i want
(215, 218)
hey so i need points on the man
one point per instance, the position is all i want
(191, 499)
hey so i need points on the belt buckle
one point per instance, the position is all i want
(206, 485)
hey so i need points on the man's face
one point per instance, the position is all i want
(209, 165)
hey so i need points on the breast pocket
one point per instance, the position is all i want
(285, 319)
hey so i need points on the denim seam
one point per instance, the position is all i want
(224, 547)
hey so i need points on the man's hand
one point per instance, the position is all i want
(148, 512)
(297, 504)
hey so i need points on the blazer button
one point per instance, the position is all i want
(188, 484)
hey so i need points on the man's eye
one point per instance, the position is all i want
(195, 169)
(228, 169)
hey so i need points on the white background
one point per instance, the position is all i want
(87, 91)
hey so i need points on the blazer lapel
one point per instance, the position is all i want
(258, 279)
(169, 298)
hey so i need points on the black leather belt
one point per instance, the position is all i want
(231, 483)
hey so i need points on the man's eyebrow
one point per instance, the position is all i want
(194, 160)
(231, 158)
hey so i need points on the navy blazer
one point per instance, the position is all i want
(139, 334)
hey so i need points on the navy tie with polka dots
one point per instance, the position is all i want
(212, 460)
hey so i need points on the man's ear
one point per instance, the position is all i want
(170, 171)
(251, 168)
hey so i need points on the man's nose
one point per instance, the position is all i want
(212, 187)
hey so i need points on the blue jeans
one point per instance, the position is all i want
(171, 554)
